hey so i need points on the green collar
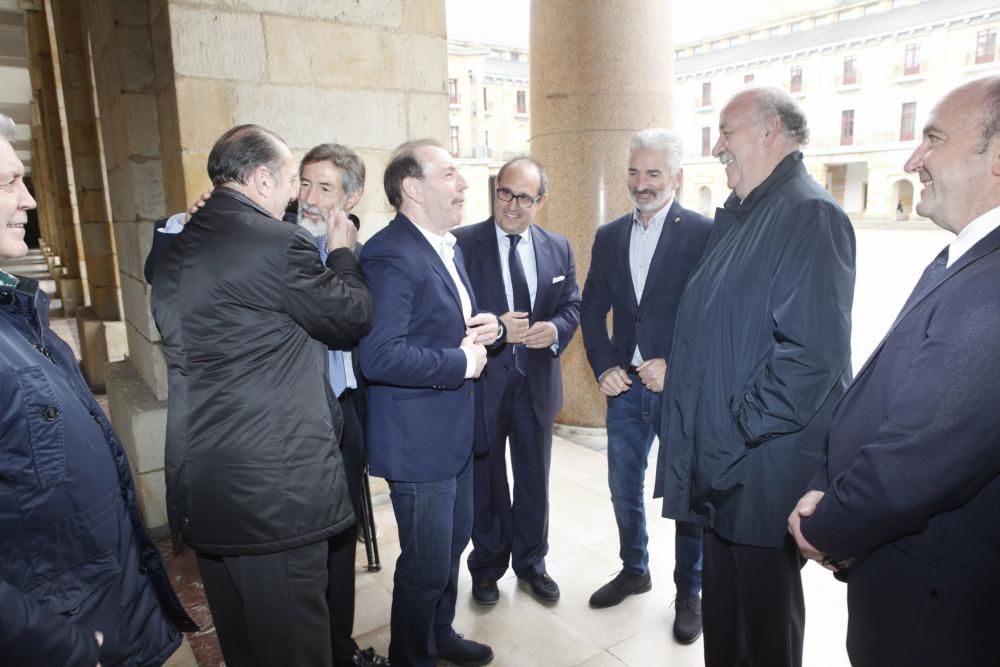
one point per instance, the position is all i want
(7, 280)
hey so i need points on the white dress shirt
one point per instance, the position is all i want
(641, 246)
(973, 233)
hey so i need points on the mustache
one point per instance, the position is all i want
(647, 191)
(321, 213)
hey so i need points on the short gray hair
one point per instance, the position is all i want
(240, 150)
(665, 141)
(543, 178)
(777, 102)
(7, 128)
(352, 167)
(991, 113)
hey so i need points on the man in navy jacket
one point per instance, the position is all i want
(421, 359)
(906, 506)
(80, 580)
(528, 274)
(639, 266)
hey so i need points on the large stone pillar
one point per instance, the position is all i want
(599, 72)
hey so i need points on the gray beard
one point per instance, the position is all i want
(317, 229)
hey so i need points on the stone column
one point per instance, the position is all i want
(55, 177)
(102, 334)
(599, 72)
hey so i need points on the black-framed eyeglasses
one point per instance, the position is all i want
(525, 201)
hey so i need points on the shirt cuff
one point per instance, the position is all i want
(470, 363)
(174, 225)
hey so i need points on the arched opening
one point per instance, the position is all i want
(903, 193)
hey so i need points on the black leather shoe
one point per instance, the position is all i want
(540, 585)
(485, 591)
(369, 658)
(615, 591)
(463, 652)
(687, 622)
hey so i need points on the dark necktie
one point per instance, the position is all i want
(931, 273)
(522, 297)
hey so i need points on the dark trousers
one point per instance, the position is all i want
(344, 546)
(435, 521)
(518, 531)
(271, 609)
(753, 610)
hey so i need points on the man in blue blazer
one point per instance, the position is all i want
(527, 273)
(906, 506)
(639, 266)
(425, 350)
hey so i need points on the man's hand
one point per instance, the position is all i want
(340, 231)
(805, 507)
(483, 327)
(478, 352)
(195, 207)
(614, 381)
(541, 335)
(652, 372)
(516, 323)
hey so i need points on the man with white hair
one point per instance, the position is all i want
(638, 268)
(761, 354)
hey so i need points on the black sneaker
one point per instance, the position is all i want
(463, 652)
(687, 622)
(485, 591)
(619, 588)
(541, 585)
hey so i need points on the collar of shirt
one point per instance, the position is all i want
(504, 242)
(7, 280)
(973, 233)
(656, 220)
(444, 244)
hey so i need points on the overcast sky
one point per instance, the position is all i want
(506, 21)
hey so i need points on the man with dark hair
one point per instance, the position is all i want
(639, 266)
(421, 359)
(905, 507)
(80, 579)
(255, 480)
(528, 274)
(760, 355)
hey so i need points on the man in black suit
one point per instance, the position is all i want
(639, 266)
(254, 475)
(906, 506)
(528, 274)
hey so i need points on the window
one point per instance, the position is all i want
(847, 127)
(454, 140)
(522, 102)
(795, 85)
(486, 100)
(706, 141)
(747, 78)
(706, 94)
(907, 121)
(453, 91)
(986, 46)
(850, 71)
(911, 61)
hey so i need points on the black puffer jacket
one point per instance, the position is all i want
(74, 555)
(247, 311)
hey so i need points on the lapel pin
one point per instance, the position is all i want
(677, 219)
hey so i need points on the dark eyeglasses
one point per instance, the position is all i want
(525, 201)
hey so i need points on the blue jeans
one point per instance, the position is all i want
(435, 522)
(633, 418)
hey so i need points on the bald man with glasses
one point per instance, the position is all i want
(528, 274)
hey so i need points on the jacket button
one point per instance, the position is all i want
(186, 522)
(172, 634)
(143, 570)
(638, 319)
(50, 414)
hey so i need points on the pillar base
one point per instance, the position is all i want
(101, 342)
(141, 423)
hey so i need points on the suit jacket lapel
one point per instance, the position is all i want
(432, 256)
(624, 236)
(665, 247)
(544, 273)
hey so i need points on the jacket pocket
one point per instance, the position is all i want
(67, 591)
(46, 427)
